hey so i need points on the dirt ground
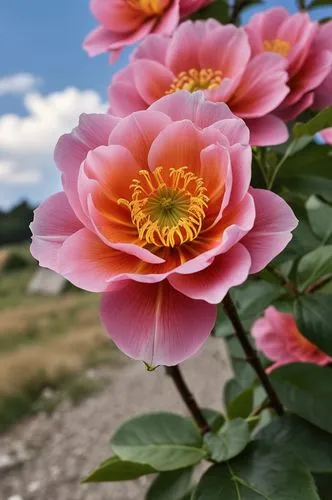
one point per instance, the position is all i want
(53, 453)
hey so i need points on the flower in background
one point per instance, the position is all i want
(327, 135)
(308, 58)
(278, 337)
(125, 22)
(207, 56)
(158, 215)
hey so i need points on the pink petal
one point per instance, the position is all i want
(183, 49)
(99, 41)
(116, 15)
(154, 47)
(54, 220)
(183, 105)
(152, 79)
(234, 129)
(137, 132)
(241, 158)
(234, 52)
(272, 229)
(289, 113)
(124, 99)
(190, 6)
(212, 284)
(72, 149)
(90, 264)
(169, 20)
(262, 88)
(323, 95)
(268, 130)
(264, 26)
(327, 135)
(155, 323)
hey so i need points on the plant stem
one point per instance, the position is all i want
(236, 11)
(251, 354)
(301, 4)
(291, 288)
(314, 287)
(188, 398)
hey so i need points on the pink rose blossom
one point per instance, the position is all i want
(278, 337)
(323, 43)
(125, 22)
(293, 37)
(157, 214)
(191, 60)
(327, 135)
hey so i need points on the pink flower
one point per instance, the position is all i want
(323, 43)
(292, 36)
(278, 337)
(125, 22)
(158, 215)
(191, 60)
(327, 135)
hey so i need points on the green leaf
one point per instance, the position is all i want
(308, 172)
(320, 217)
(165, 441)
(306, 389)
(173, 485)
(308, 442)
(314, 319)
(313, 266)
(319, 3)
(324, 485)
(322, 120)
(217, 10)
(232, 438)
(241, 405)
(115, 469)
(303, 241)
(251, 299)
(262, 472)
(214, 418)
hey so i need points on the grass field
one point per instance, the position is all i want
(46, 343)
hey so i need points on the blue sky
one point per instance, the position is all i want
(43, 39)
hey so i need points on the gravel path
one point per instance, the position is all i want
(64, 447)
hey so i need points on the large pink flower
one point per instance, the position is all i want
(323, 43)
(124, 22)
(293, 37)
(278, 337)
(191, 60)
(158, 215)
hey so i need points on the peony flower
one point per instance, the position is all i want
(125, 22)
(293, 37)
(191, 60)
(278, 337)
(157, 214)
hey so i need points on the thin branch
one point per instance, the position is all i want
(188, 398)
(314, 287)
(236, 11)
(289, 285)
(251, 354)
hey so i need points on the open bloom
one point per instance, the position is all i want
(323, 43)
(215, 59)
(158, 215)
(124, 22)
(292, 37)
(278, 337)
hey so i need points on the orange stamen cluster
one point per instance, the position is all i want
(279, 46)
(195, 79)
(167, 213)
(149, 7)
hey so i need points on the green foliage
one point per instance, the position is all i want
(321, 121)
(309, 443)
(115, 469)
(165, 441)
(217, 10)
(239, 402)
(14, 225)
(261, 472)
(314, 319)
(214, 418)
(173, 485)
(305, 389)
(320, 218)
(319, 3)
(231, 439)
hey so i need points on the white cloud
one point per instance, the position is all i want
(27, 142)
(19, 83)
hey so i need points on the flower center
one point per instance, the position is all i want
(149, 7)
(195, 79)
(167, 214)
(279, 46)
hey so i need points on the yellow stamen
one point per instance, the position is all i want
(279, 46)
(167, 213)
(149, 7)
(195, 79)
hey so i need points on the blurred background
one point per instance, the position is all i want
(53, 353)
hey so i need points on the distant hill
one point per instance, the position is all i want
(14, 224)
